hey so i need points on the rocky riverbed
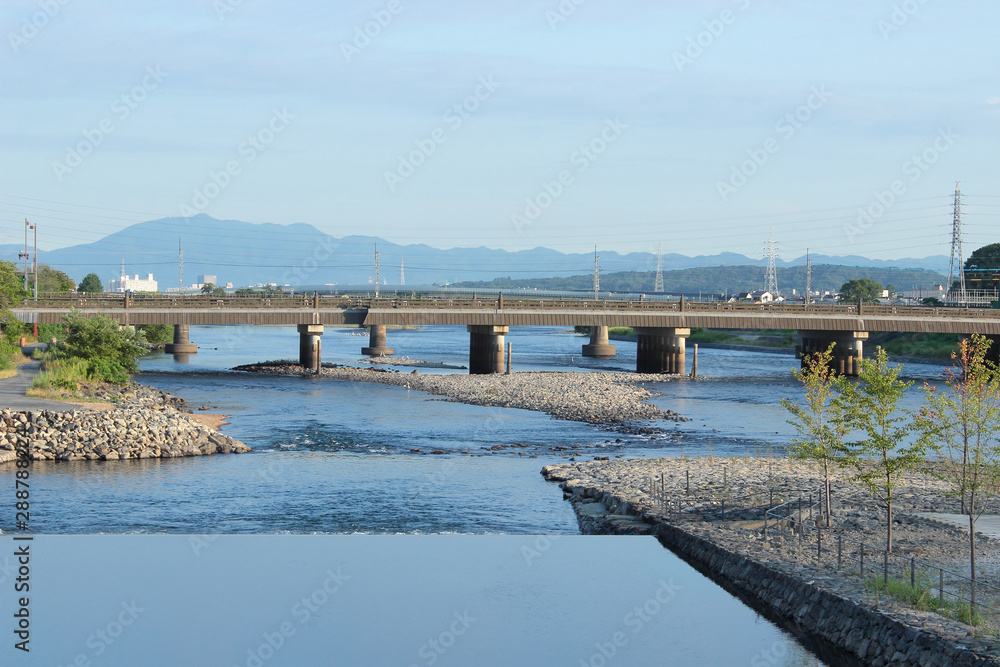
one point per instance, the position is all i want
(634, 497)
(130, 422)
(595, 398)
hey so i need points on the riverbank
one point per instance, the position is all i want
(596, 398)
(130, 422)
(784, 574)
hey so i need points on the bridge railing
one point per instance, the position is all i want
(309, 301)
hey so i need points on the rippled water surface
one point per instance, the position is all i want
(333, 457)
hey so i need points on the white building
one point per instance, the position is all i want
(135, 284)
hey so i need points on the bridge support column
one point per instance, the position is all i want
(599, 345)
(182, 343)
(660, 349)
(486, 347)
(847, 351)
(377, 344)
(309, 345)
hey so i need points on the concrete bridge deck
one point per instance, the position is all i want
(661, 326)
(294, 310)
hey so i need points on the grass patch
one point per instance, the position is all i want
(921, 598)
(931, 346)
(59, 375)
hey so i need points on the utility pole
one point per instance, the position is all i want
(34, 262)
(25, 254)
(376, 271)
(658, 287)
(809, 275)
(956, 249)
(402, 272)
(771, 252)
(597, 275)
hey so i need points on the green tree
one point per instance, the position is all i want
(157, 333)
(981, 266)
(207, 288)
(112, 351)
(219, 291)
(53, 281)
(931, 301)
(881, 458)
(91, 284)
(820, 421)
(12, 290)
(961, 425)
(864, 289)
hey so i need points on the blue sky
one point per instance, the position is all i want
(625, 124)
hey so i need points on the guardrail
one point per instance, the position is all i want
(957, 595)
(552, 303)
(796, 518)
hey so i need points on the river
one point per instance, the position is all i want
(336, 458)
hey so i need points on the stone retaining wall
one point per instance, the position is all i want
(135, 432)
(868, 635)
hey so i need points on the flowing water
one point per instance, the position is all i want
(335, 458)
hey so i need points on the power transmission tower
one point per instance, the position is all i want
(402, 272)
(809, 276)
(180, 266)
(376, 270)
(771, 252)
(956, 250)
(658, 287)
(597, 274)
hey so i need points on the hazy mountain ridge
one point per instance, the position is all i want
(249, 253)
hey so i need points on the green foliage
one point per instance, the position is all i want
(932, 301)
(61, 373)
(931, 346)
(104, 344)
(53, 281)
(157, 333)
(861, 289)
(880, 457)
(207, 288)
(961, 424)
(12, 290)
(91, 284)
(820, 421)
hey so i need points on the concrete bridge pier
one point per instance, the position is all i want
(309, 344)
(847, 351)
(599, 345)
(182, 343)
(660, 349)
(377, 344)
(486, 348)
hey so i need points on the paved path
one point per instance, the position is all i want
(988, 524)
(12, 392)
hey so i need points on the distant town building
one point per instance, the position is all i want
(135, 284)
(208, 279)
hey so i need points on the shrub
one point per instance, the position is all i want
(157, 333)
(101, 340)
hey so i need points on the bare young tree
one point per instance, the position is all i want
(961, 425)
(820, 421)
(881, 457)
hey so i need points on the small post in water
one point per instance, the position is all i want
(508, 356)
(694, 362)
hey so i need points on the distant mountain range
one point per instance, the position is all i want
(245, 253)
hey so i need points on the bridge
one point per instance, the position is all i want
(661, 327)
